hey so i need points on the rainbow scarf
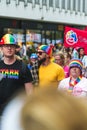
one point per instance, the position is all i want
(72, 84)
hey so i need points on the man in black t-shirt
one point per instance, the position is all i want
(15, 73)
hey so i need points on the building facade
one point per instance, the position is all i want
(41, 21)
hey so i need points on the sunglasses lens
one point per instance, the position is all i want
(40, 53)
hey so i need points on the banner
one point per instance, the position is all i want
(85, 28)
(75, 38)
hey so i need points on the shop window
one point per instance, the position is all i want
(53, 37)
(59, 37)
(48, 37)
(32, 37)
(43, 37)
(60, 27)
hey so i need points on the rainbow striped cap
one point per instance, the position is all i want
(8, 39)
(76, 63)
(46, 48)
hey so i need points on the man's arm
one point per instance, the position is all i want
(28, 88)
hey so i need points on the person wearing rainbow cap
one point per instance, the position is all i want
(15, 73)
(75, 84)
(49, 72)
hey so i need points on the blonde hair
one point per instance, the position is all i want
(61, 55)
(53, 110)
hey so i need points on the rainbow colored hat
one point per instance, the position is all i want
(46, 48)
(8, 39)
(76, 63)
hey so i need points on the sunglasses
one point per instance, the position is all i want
(40, 53)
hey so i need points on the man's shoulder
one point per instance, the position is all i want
(21, 64)
(20, 61)
(56, 65)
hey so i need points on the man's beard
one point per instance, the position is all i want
(41, 61)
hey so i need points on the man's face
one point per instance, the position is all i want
(41, 56)
(8, 50)
(58, 60)
(32, 60)
(75, 72)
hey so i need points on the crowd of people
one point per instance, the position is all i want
(47, 109)
(64, 70)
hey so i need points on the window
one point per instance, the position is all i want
(58, 35)
(30, 1)
(43, 37)
(83, 5)
(44, 2)
(21, 0)
(57, 3)
(74, 5)
(48, 37)
(51, 3)
(63, 4)
(33, 36)
(79, 5)
(37, 1)
(68, 4)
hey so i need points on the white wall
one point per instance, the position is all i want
(28, 12)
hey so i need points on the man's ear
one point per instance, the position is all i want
(47, 56)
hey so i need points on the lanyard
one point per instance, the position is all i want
(73, 83)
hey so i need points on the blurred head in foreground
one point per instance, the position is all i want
(53, 110)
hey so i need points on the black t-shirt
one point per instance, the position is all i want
(15, 75)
